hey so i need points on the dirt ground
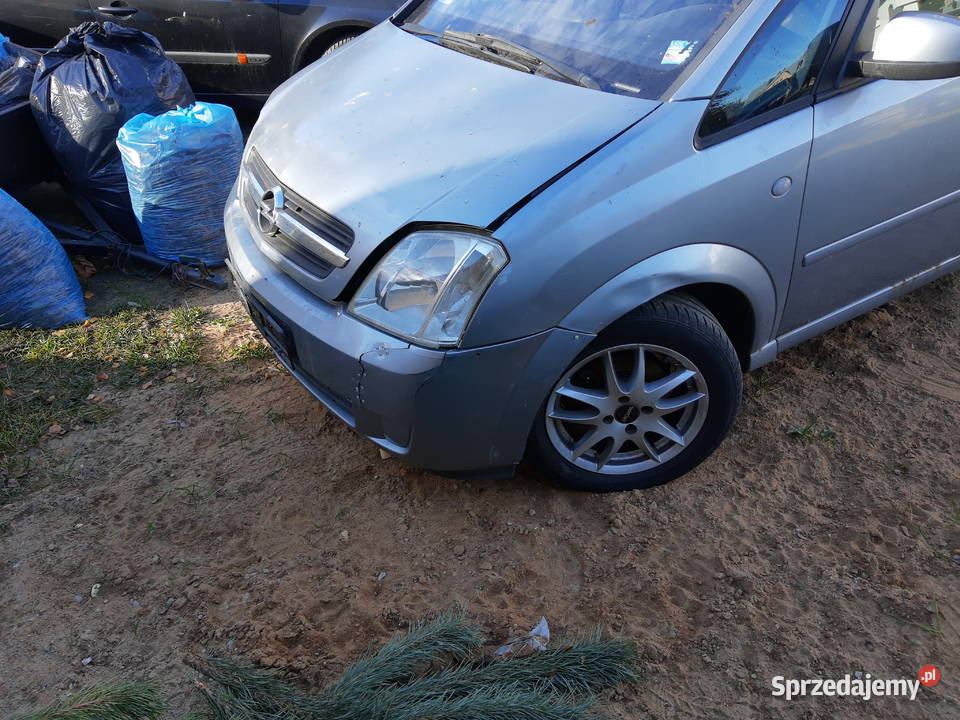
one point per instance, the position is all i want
(225, 509)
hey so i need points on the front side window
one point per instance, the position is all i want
(631, 47)
(781, 64)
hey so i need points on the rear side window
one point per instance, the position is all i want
(781, 64)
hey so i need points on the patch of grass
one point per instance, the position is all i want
(237, 428)
(228, 321)
(193, 494)
(934, 627)
(48, 380)
(248, 350)
(763, 383)
(811, 431)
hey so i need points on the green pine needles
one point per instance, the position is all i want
(437, 671)
(434, 672)
(128, 701)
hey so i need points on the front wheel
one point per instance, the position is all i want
(340, 43)
(645, 403)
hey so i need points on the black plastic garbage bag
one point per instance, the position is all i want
(38, 287)
(17, 67)
(94, 80)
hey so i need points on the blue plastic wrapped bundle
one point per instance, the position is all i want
(38, 287)
(180, 168)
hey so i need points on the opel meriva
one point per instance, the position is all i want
(490, 231)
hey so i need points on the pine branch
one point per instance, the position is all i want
(445, 637)
(128, 701)
(434, 672)
(582, 667)
(245, 693)
(495, 703)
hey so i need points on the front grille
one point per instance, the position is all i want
(298, 247)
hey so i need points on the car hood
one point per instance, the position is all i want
(395, 129)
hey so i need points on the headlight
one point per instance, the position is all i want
(427, 287)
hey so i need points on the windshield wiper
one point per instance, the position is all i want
(513, 51)
(419, 30)
(508, 52)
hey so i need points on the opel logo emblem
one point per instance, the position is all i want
(268, 210)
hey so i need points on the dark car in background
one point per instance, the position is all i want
(226, 47)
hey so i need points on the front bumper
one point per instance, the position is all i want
(453, 411)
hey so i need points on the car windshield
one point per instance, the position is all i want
(631, 47)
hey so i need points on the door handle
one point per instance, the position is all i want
(117, 9)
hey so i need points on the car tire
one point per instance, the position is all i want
(339, 44)
(677, 339)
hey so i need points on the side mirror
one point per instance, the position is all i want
(915, 46)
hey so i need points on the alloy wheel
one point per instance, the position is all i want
(627, 409)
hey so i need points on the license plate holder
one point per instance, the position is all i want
(274, 332)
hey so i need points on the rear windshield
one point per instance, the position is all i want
(630, 47)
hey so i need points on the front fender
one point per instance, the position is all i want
(677, 268)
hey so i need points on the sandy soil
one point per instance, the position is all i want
(234, 513)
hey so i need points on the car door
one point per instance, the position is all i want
(41, 24)
(758, 128)
(226, 47)
(881, 201)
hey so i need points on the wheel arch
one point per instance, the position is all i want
(320, 38)
(730, 283)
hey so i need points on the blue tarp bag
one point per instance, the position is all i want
(94, 80)
(180, 168)
(38, 287)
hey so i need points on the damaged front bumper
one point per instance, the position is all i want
(453, 411)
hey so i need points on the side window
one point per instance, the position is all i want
(781, 64)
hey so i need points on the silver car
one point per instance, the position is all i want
(495, 231)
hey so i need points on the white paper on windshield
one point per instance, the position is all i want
(678, 52)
